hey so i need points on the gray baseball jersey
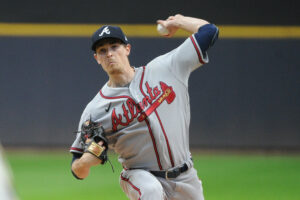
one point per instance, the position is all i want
(147, 123)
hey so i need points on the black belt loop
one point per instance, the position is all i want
(171, 173)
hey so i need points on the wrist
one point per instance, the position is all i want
(89, 160)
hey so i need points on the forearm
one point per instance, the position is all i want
(190, 24)
(81, 167)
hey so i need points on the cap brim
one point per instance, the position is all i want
(98, 41)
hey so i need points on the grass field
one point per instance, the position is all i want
(46, 175)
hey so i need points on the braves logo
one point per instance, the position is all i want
(149, 103)
(105, 30)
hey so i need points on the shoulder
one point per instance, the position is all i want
(94, 100)
(160, 62)
(90, 107)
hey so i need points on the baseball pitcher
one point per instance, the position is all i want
(143, 113)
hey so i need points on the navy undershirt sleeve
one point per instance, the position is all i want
(206, 36)
(76, 156)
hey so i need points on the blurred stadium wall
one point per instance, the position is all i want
(248, 96)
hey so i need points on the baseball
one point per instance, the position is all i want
(162, 30)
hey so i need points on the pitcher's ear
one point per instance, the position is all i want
(96, 58)
(128, 48)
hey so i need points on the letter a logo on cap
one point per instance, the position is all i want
(105, 30)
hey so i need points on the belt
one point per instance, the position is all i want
(171, 173)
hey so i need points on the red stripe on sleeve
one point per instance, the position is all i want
(76, 149)
(197, 50)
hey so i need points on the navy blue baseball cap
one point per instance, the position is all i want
(108, 31)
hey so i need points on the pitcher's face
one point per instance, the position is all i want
(113, 57)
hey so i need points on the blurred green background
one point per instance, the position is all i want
(226, 176)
